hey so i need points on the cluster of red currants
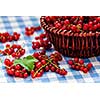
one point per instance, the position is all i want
(42, 41)
(46, 64)
(78, 64)
(30, 30)
(75, 23)
(14, 50)
(17, 70)
(6, 37)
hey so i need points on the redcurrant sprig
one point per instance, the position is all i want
(78, 64)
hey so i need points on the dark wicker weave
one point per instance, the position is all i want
(73, 44)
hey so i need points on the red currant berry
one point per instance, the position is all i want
(81, 61)
(14, 54)
(43, 62)
(57, 70)
(77, 67)
(89, 65)
(38, 64)
(85, 70)
(21, 75)
(76, 60)
(82, 68)
(22, 51)
(25, 75)
(24, 70)
(17, 67)
(10, 72)
(52, 68)
(7, 45)
(70, 62)
(39, 74)
(36, 54)
(7, 62)
(66, 22)
(17, 73)
(46, 68)
(73, 66)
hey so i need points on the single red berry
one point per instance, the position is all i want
(36, 54)
(18, 46)
(25, 75)
(17, 73)
(47, 68)
(76, 60)
(40, 57)
(43, 62)
(18, 55)
(52, 68)
(85, 70)
(32, 71)
(57, 70)
(7, 45)
(73, 66)
(24, 70)
(70, 62)
(39, 74)
(21, 75)
(7, 62)
(66, 22)
(42, 36)
(17, 67)
(77, 67)
(82, 68)
(38, 64)
(16, 37)
(62, 72)
(10, 38)
(85, 27)
(98, 19)
(10, 72)
(22, 51)
(81, 61)
(14, 46)
(89, 65)
(14, 54)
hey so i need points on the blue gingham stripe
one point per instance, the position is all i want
(18, 24)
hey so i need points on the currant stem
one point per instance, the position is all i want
(53, 64)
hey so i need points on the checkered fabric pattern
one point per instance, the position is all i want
(18, 24)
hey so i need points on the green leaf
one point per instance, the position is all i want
(26, 62)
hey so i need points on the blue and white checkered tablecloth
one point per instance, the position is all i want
(18, 24)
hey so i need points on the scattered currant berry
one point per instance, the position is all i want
(89, 65)
(76, 60)
(70, 62)
(85, 70)
(81, 61)
(7, 62)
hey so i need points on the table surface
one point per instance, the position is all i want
(18, 24)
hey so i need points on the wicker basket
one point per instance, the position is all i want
(73, 44)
